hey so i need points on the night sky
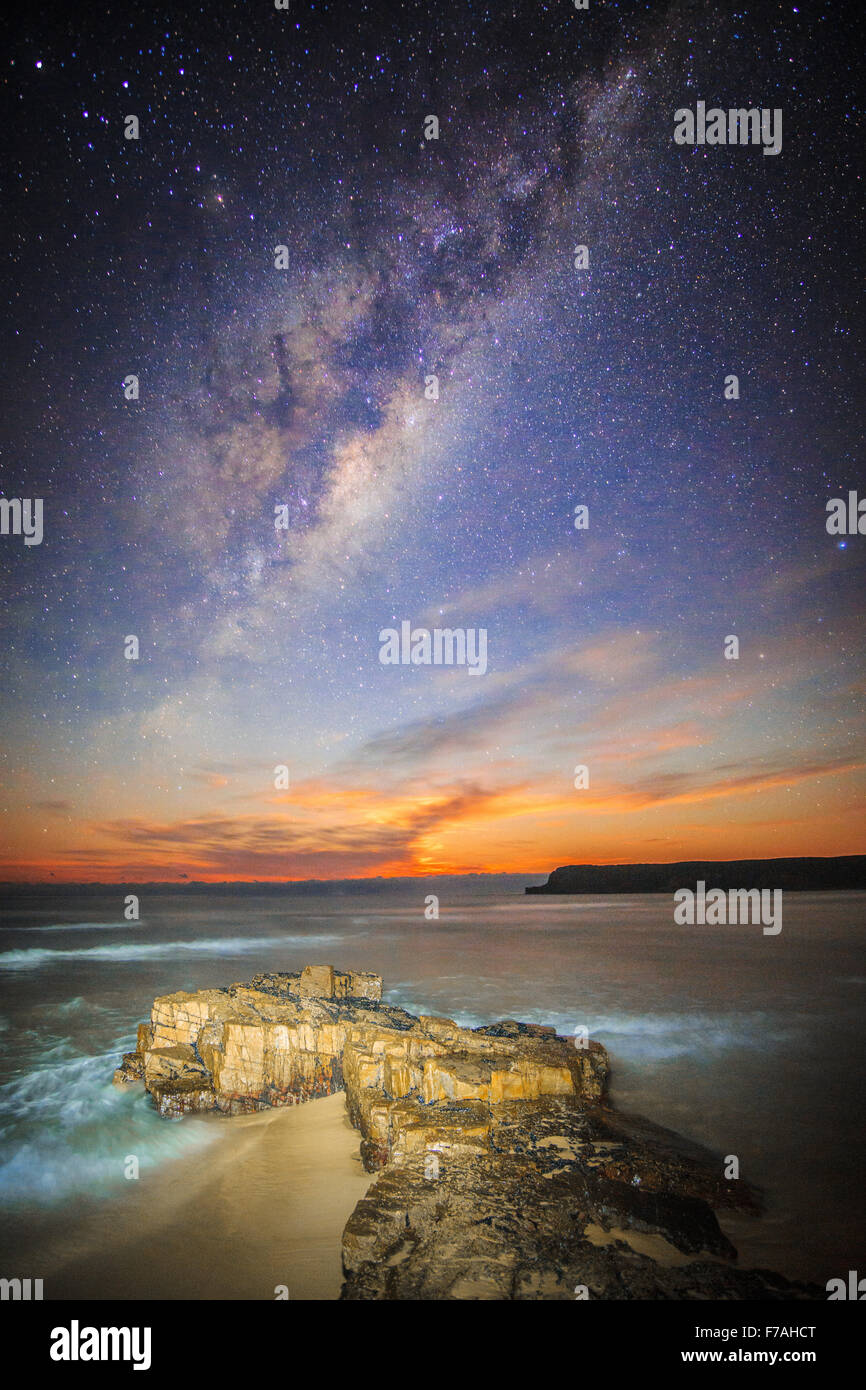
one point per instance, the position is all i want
(304, 387)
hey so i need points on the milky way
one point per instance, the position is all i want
(308, 388)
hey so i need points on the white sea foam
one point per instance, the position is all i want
(32, 957)
(658, 1037)
(78, 926)
(64, 1129)
(637, 1037)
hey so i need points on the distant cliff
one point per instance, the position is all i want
(841, 872)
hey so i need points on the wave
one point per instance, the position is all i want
(34, 956)
(661, 1037)
(79, 926)
(633, 1037)
(65, 1129)
(76, 1005)
(51, 1088)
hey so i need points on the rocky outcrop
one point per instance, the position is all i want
(282, 1039)
(278, 1040)
(500, 1170)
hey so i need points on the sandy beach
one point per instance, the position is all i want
(263, 1206)
(232, 1207)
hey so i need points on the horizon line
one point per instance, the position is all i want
(402, 878)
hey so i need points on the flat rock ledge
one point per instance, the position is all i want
(501, 1172)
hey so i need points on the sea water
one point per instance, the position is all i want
(750, 1044)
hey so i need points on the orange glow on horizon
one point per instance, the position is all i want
(330, 833)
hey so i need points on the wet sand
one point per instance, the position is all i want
(265, 1205)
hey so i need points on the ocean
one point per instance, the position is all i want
(750, 1044)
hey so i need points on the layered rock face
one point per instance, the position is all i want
(278, 1040)
(287, 1038)
(501, 1171)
